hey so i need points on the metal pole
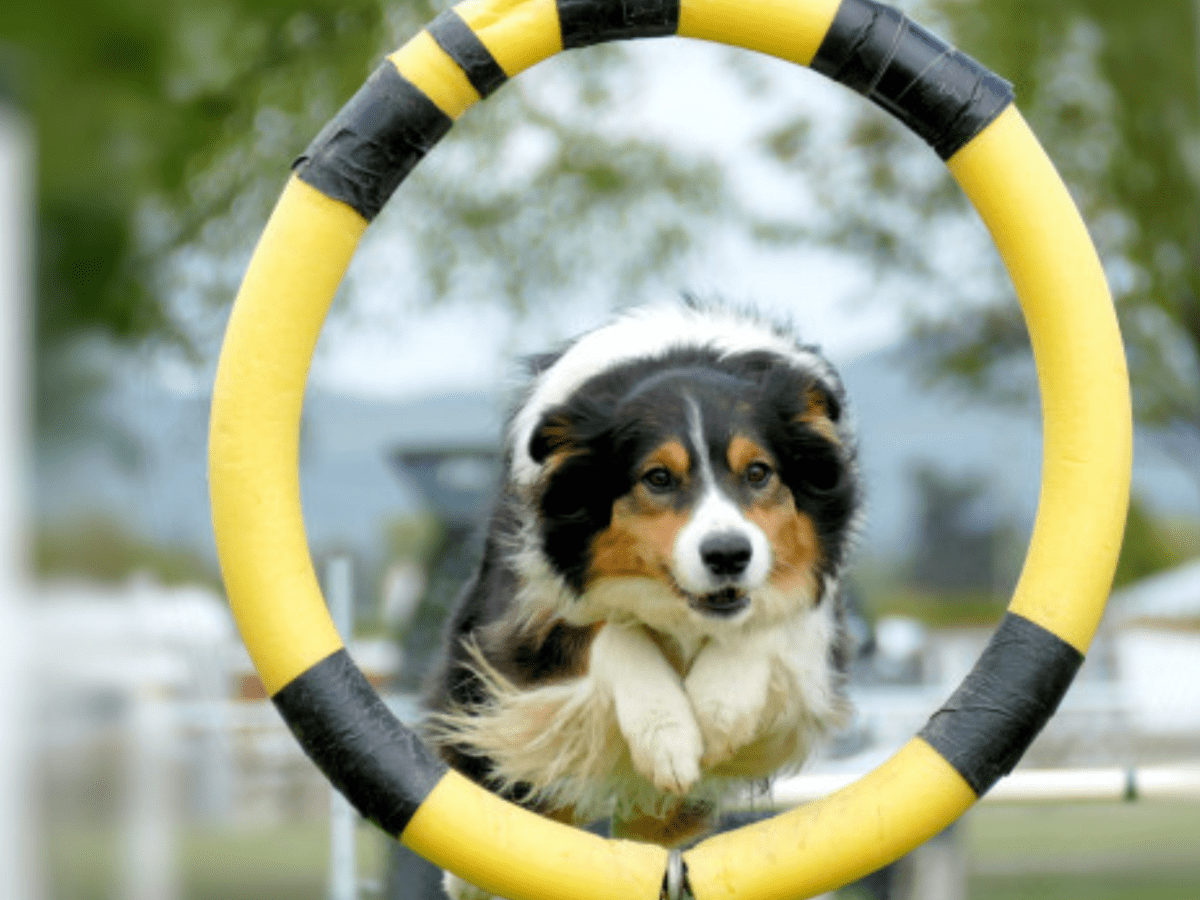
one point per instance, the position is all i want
(18, 879)
(343, 819)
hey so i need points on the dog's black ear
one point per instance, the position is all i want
(821, 399)
(582, 425)
(555, 433)
(576, 491)
(818, 469)
(803, 430)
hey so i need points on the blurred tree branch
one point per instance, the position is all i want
(164, 135)
(1112, 90)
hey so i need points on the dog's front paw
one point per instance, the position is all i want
(652, 710)
(728, 698)
(666, 747)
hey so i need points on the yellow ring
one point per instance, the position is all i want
(254, 440)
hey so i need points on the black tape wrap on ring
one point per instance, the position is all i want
(990, 721)
(942, 95)
(464, 47)
(377, 763)
(587, 22)
(373, 142)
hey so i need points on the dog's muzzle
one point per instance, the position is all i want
(728, 601)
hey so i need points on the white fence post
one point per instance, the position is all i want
(18, 878)
(343, 819)
(150, 851)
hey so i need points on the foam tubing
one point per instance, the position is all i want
(341, 182)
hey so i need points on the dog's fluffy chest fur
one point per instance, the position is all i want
(656, 617)
(638, 730)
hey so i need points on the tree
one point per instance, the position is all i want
(164, 133)
(1112, 90)
(132, 103)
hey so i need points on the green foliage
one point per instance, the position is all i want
(941, 609)
(1113, 91)
(534, 197)
(102, 549)
(1152, 545)
(130, 102)
(165, 131)
(146, 117)
(414, 538)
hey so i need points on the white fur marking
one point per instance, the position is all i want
(652, 710)
(729, 719)
(715, 514)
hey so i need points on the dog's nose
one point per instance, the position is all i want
(726, 554)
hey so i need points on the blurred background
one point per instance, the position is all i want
(141, 147)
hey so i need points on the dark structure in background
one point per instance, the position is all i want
(457, 484)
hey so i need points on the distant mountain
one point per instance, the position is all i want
(350, 486)
(903, 425)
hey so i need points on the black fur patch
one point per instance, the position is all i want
(815, 470)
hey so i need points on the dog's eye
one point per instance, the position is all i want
(758, 474)
(659, 479)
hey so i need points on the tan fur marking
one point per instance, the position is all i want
(575, 641)
(561, 443)
(557, 433)
(641, 537)
(793, 537)
(816, 416)
(765, 755)
(743, 451)
(673, 455)
(579, 639)
(638, 541)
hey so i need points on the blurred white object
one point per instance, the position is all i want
(1178, 781)
(1157, 650)
(343, 819)
(900, 638)
(900, 645)
(18, 881)
(403, 586)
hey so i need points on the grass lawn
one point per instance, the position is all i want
(1096, 851)
(1100, 851)
(286, 863)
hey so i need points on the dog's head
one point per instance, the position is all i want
(722, 483)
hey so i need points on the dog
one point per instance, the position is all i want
(656, 621)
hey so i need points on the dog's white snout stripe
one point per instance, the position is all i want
(716, 516)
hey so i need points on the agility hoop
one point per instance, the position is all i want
(342, 181)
